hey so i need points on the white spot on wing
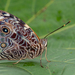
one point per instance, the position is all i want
(7, 14)
(17, 21)
(27, 26)
(1, 17)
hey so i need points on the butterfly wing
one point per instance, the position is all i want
(19, 39)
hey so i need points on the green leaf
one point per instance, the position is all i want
(44, 16)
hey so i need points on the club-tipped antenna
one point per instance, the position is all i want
(57, 29)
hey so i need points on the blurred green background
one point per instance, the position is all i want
(44, 16)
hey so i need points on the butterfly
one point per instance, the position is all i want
(18, 41)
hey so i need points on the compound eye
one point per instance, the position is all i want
(5, 30)
(3, 45)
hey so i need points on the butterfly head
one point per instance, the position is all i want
(43, 44)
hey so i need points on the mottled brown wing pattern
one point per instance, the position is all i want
(17, 39)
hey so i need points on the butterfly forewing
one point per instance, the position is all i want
(17, 39)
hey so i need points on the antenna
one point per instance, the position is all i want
(57, 29)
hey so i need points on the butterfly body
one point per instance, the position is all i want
(18, 40)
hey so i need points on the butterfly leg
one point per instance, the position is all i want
(40, 61)
(46, 55)
(17, 61)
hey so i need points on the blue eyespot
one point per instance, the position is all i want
(5, 30)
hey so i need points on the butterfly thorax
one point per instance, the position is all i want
(43, 45)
